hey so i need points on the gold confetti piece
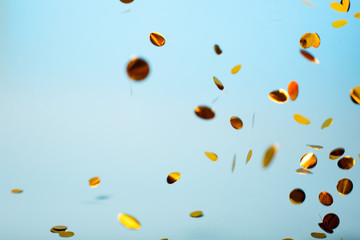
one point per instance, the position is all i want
(269, 155)
(248, 157)
(204, 112)
(233, 164)
(339, 23)
(307, 40)
(94, 182)
(293, 90)
(235, 69)
(327, 123)
(196, 214)
(315, 146)
(308, 161)
(164, 239)
(217, 49)
(128, 221)
(309, 3)
(126, 1)
(287, 239)
(346, 4)
(316, 42)
(218, 83)
(303, 171)
(279, 96)
(336, 153)
(338, 7)
(301, 119)
(344, 186)
(355, 94)
(297, 196)
(173, 177)
(157, 39)
(357, 15)
(330, 222)
(59, 228)
(211, 156)
(138, 69)
(236, 122)
(309, 57)
(66, 234)
(16, 191)
(346, 163)
(318, 235)
(325, 198)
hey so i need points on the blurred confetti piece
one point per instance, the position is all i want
(211, 156)
(248, 157)
(218, 83)
(66, 234)
(309, 57)
(325, 198)
(344, 186)
(58, 228)
(330, 222)
(219, 97)
(233, 164)
(128, 221)
(287, 239)
(316, 42)
(94, 182)
(308, 3)
(16, 191)
(338, 7)
(339, 23)
(126, 1)
(336, 153)
(204, 112)
(315, 146)
(157, 39)
(355, 94)
(307, 40)
(318, 235)
(327, 123)
(297, 196)
(301, 119)
(196, 214)
(235, 69)
(173, 177)
(308, 161)
(357, 15)
(346, 4)
(269, 155)
(293, 90)
(346, 163)
(217, 49)
(137, 69)
(303, 171)
(253, 120)
(279, 96)
(236, 122)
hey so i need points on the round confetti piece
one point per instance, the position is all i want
(331, 221)
(293, 90)
(307, 40)
(211, 156)
(248, 157)
(297, 196)
(217, 49)
(325, 198)
(279, 96)
(316, 42)
(336, 153)
(269, 155)
(301, 119)
(318, 235)
(196, 214)
(173, 177)
(344, 186)
(338, 7)
(218, 83)
(308, 161)
(339, 23)
(355, 94)
(236, 123)
(66, 234)
(204, 112)
(16, 191)
(346, 163)
(327, 123)
(157, 39)
(59, 228)
(317, 147)
(235, 69)
(309, 57)
(303, 171)
(128, 221)
(138, 69)
(94, 182)
(357, 15)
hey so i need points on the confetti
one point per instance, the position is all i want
(357, 15)
(325, 198)
(316, 42)
(307, 40)
(339, 23)
(308, 161)
(157, 39)
(235, 69)
(308, 3)
(344, 186)
(236, 122)
(94, 182)
(66, 234)
(309, 57)
(211, 156)
(173, 177)
(315, 146)
(217, 49)
(138, 69)
(269, 155)
(336, 153)
(196, 214)
(58, 229)
(248, 157)
(303, 171)
(293, 90)
(16, 191)
(327, 123)
(233, 164)
(301, 119)
(318, 235)
(279, 96)
(204, 112)
(126, 1)
(338, 7)
(355, 94)
(330, 222)
(128, 221)
(218, 83)
(297, 196)
(346, 163)
(346, 4)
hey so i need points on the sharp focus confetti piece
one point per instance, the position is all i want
(196, 214)
(308, 161)
(126, 1)
(173, 177)
(236, 122)
(137, 69)
(316, 42)
(346, 163)
(233, 164)
(344, 186)
(204, 112)
(339, 23)
(293, 90)
(235, 69)
(66, 234)
(16, 191)
(336, 153)
(301, 119)
(128, 221)
(315, 146)
(269, 155)
(279, 96)
(303, 171)
(357, 15)
(297, 196)
(211, 156)
(355, 95)
(327, 123)
(325, 198)
(318, 235)
(157, 39)
(338, 7)
(218, 83)
(248, 157)
(94, 182)
(307, 40)
(217, 49)
(309, 57)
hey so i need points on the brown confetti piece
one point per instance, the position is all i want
(330, 222)
(173, 177)
(315, 146)
(269, 155)
(346, 163)
(325, 198)
(211, 156)
(138, 69)
(308, 161)
(301, 119)
(16, 191)
(318, 235)
(218, 83)
(196, 214)
(279, 96)
(327, 123)
(293, 90)
(307, 40)
(235, 69)
(303, 171)
(66, 234)
(309, 57)
(59, 228)
(204, 112)
(128, 221)
(94, 182)
(344, 186)
(233, 164)
(297, 196)
(248, 157)
(217, 49)
(355, 94)
(157, 39)
(126, 1)
(339, 23)
(336, 153)
(236, 122)
(316, 42)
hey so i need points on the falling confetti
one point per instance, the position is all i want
(279, 96)
(318, 235)
(293, 90)
(66, 234)
(236, 122)
(157, 39)
(138, 69)
(315, 146)
(217, 49)
(346, 163)
(303, 171)
(297, 196)
(218, 83)
(357, 15)
(16, 191)
(196, 214)
(235, 69)
(309, 57)
(233, 164)
(269, 155)
(301, 119)
(330, 222)
(344, 186)
(58, 228)
(339, 23)
(211, 156)
(308, 3)
(94, 182)
(346, 4)
(248, 157)
(336, 153)
(173, 177)
(126, 1)
(316, 42)
(355, 94)
(128, 221)
(204, 112)
(307, 40)
(338, 7)
(325, 198)
(308, 161)
(327, 123)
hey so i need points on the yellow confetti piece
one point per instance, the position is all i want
(357, 15)
(344, 186)
(218, 83)
(303, 171)
(269, 155)
(66, 234)
(301, 119)
(211, 156)
(307, 40)
(157, 39)
(327, 123)
(338, 7)
(248, 157)
(235, 69)
(308, 161)
(318, 235)
(173, 177)
(355, 95)
(94, 182)
(196, 214)
(128, 221)
(233, 164)
(315, 146)
(316, 42)
(346, 4)
(16, 191)
(339, 23)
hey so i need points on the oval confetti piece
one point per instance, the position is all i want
(287, 239)
(137, 69)
(339, 23)
(301, 119)
(344, 186)
(325, 198)
(233, 164)
(309, 57)
(218, 83)
(338, 7)
(59, 228)
(128, 221)
(336, 153)
(279, 96)
(126, 1)
(236, 69)
(94, 182)
(196, 214)
(357, 15)
(327, 123)
(316, 42)
(318, 235)
(173, 177)
(346, 163)
(204, 112)
(297, 196)
(16, 191)
(293, 90)
(355, 94)
(308, 161)
(269, 155)
(157, 39)
(217, 49)
(236, 122)
(303, 171)
(248, 157)
(307, 40)
(211, 156)
(346, 4)
(66, 234)
(315, 146)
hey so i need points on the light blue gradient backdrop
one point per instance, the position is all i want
(67, 115)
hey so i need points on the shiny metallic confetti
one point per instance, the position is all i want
(173, 177)
(66, 234)
(344, 186)
(315, 146)
(297, 196)
(327, 123)
(325, 198)
(235, 69)
(279, 96)
(196, 214)
(248, 157)
(309, 57)
(137, 69)
(204, 112)
(94, 182)
(128, 221)
(339, 23)
(157, 39)
(58, 229)
(233, 164)
(269, 155)
(236, 122)
(355, 94)
(308, 161)
(330, 222)
(336, 153)
(316, 42)
(126, 1)
(211, 156)
(293, 90)
(307, 40)
(318, 235)
(16, 191)
(217, 49)
(346, 163)
(301, 119)
(303, 171)
(218, 83)
(357, 15)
